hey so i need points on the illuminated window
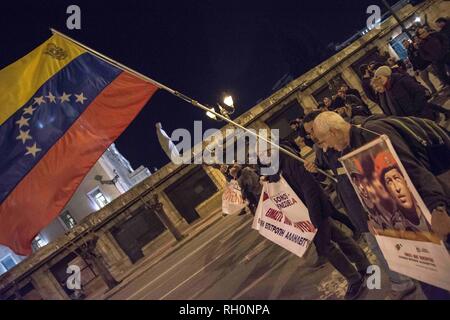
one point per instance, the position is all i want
(67, 220)
(8, 262)
(38, 242)
(98, 197)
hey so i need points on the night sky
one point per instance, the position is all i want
(200, 48)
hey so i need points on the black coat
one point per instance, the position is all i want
(368, 90)
(338, 102)
(408, 98)
(248, 181)
(328, 160)
(434, 48)
(416, 60)
(306, 187)
(446, 31)
(416, 163)
(354, 92)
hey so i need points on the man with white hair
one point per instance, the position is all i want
(421, 163)
(401, 95)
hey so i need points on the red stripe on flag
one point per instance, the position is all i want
(47, 188)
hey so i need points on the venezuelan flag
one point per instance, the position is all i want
(60, 108)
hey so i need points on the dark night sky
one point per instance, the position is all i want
(198, 47)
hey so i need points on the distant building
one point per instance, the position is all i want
(110, 177)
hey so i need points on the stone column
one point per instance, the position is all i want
(171, 211)
(307, 101)
(216, 176)
(156, 206)
(354, 81)
(89, 252)
(47, 285)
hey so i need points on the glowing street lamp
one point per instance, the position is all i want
(228, 100)
(226, 109)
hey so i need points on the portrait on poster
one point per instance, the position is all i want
(393, 205)
(397, 215)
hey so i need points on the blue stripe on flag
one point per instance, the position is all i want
(27, 135)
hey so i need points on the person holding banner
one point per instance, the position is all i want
(330, 241)
(422, 147)
(329, 161)
(401, 286)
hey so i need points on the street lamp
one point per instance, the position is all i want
(228, 106)
(226, 109)
(228, 100)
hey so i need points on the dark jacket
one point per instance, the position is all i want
(306, 187)
(329, 160)
(338, 102)
(351, 99)
(446, 31)
(404, 96)
(360, 111)
(359, 108)
(416, 60)
(353, 92)
(248, 181)
(434, 48)
(415, 161)
(368, 90)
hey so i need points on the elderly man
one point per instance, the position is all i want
(330, 241)
(332, 131)
(402, 95)
(401, 286)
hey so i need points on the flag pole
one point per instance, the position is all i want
(181, 96)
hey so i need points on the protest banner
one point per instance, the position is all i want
(232, 202)
(398, 217)
(282, 218)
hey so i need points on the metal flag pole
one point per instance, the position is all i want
(183, 97)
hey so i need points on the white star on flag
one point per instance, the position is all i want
(23, 122)
(24, 136)
(29, 110)
(33, 150)
(65, 97)
(39, 100)
(51, 97)
(80, 98)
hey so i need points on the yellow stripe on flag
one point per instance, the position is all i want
(20, 81)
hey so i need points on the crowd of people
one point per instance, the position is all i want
(343, 123)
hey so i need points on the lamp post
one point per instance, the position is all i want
(226, 109)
